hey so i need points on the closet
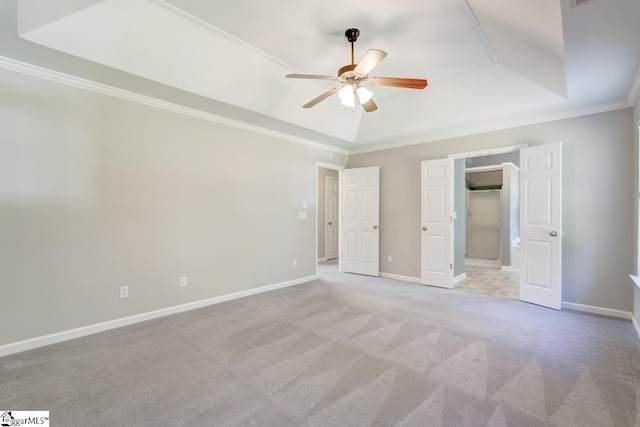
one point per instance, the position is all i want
(492, 214)
(483, 201)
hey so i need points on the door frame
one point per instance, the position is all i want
(479, 153)
(489, 151)
(326, 215)
(331, 167)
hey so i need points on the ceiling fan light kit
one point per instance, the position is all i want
(353, 75)
(349, 93)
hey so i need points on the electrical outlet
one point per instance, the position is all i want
(183, 281)
(389, 258)
(124, 291)
(295, 263)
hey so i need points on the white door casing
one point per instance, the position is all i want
(437, 223)
(331, 227)
(359, 223)
(541, 225)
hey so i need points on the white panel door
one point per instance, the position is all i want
(541, 225)
(332, 217)
(437, 223)
(360, 190)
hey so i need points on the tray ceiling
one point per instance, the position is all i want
(489, 63)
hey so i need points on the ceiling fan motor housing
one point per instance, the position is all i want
(346, 68)
(352, 34)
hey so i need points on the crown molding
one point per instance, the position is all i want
(77, 82)
(69, 80)
(634, 90)
(477, 29)
(224, 34)
(493, 127)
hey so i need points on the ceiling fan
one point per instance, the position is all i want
(353, 75)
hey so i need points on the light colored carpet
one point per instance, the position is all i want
(346, 350)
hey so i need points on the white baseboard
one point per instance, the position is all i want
(42, 341)
(323, 259)
(598, 310)
(400, 277)
(483, 262)
(459, 278)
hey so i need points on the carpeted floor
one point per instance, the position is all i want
(345, 350)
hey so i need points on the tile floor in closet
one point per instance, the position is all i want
(490, 281)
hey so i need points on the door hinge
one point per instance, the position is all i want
(450, 266)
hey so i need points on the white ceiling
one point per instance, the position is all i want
(490, 63)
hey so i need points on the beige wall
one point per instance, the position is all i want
(598, 165)
(98, 193)
(322, 208)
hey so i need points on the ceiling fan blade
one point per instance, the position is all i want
(310, 76)
(399, 82)
(320, 98)
(369, 61)
(369, 106)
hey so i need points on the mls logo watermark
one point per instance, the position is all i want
(24, 418)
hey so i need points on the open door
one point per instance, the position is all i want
(437, 223)
(541, 225)
(360, 228)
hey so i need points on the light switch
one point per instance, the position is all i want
(302, 215)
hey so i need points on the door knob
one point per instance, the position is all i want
(424, 228)
(330, 223)
(553, 234)
(375, 227)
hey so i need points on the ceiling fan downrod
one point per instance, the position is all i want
(352, 35)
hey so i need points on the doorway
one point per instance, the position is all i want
(327, 209)
(347, 218)
(491, 209)
(540, 221)
(489, 215)
(483, 224)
